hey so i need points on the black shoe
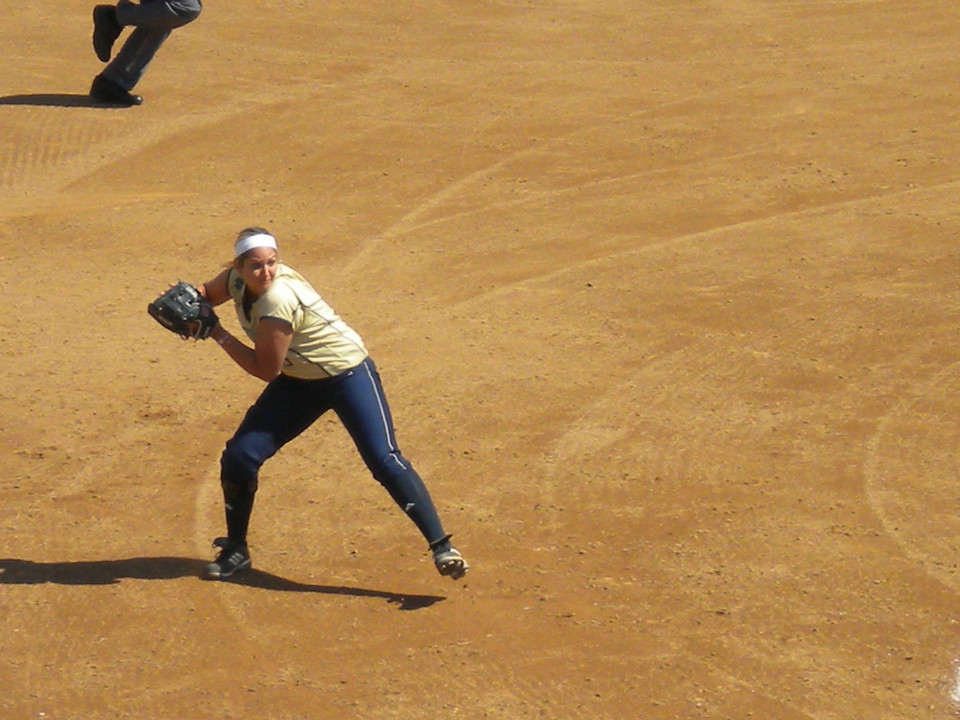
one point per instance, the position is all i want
(232, 559)
(106, 30)
(108, 92)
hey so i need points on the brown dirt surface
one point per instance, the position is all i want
(665, 299)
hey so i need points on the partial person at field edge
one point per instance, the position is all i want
(153, 21)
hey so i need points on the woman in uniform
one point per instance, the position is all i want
(312, 362)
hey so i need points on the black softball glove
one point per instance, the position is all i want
(184, 311)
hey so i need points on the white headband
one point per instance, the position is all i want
(251, 242)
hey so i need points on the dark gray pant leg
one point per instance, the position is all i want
(131, 62)
(158, 14)
(153, 20)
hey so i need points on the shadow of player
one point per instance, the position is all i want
(108, 572)
(55, 100)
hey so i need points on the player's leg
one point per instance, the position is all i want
(158, 14)
(283, 411)
(109, 20)
(114, 83)
(153, 20)
(359, 401)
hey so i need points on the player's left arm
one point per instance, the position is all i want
(215, 291)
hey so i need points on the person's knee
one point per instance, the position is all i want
(189, 12)
(388, 468)
(240, 465)
(159, 15)
(184, 12)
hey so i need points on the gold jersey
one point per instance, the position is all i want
(322, 346)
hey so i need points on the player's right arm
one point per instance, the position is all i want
(265, 359)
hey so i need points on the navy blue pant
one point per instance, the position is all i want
(289, 406)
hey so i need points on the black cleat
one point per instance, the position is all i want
(232, 559)
(106, 30)
(109, 93)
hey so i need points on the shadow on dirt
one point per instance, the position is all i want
(108, 572)
(266, 581)
(54, 100)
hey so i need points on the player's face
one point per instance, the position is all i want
(258, 270)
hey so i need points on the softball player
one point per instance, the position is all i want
(312, 362)
(153, 20)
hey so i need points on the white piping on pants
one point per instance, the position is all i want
(383, 417)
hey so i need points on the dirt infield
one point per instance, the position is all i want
(665, 298)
